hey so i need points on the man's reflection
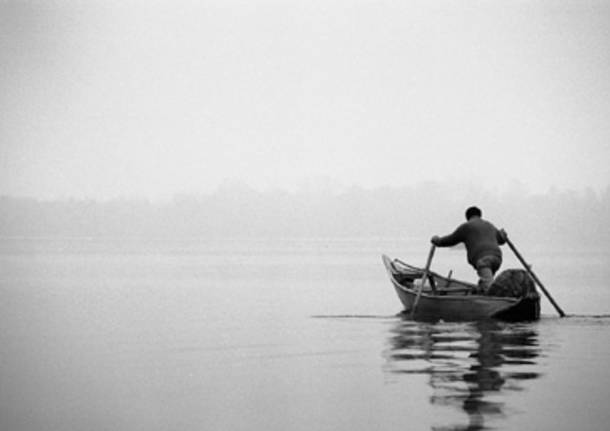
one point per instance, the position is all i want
(469, 364)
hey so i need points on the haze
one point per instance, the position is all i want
(148, 99)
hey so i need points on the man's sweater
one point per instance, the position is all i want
(480, 237)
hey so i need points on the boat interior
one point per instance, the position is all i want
(411, 277)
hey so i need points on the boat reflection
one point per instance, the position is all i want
(472, 367)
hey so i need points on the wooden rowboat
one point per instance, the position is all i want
(444, 298)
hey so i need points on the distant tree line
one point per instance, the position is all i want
(567, 217)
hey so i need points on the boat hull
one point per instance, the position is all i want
(462, 307)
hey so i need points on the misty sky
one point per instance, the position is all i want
(148, 98)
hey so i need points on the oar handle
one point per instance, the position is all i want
(531, 273)
(423, 279)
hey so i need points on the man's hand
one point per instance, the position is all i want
(503, 235)
(434, 240)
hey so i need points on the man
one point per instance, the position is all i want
(482, 241)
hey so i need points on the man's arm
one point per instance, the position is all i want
(449, 240)
(501, 236)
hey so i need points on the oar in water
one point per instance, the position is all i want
(423, 279)
(529, 270)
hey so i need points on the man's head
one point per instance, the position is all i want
(473, 212)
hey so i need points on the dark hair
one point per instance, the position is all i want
(473, 212)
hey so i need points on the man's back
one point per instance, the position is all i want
(480, 237)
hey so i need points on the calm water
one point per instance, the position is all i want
(285, 335)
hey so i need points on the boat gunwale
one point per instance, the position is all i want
(388, 264)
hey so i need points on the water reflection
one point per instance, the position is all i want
(472, 367)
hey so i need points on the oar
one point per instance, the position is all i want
(423, 279)
(529, 270)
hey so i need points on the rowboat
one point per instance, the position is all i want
(448, 299)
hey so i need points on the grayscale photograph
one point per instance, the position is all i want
(304, 215)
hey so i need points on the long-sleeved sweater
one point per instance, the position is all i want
(480, 237)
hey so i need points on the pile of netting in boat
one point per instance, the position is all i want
(513, 283)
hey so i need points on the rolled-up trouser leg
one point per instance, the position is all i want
(486, 277)
(486, 267)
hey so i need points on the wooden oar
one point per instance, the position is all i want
(529, 270)
(423, 279)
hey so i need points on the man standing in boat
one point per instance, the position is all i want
(482, 241)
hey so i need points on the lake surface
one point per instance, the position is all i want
(285, 335)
